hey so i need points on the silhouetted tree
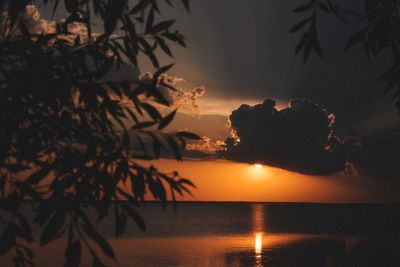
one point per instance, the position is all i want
(67, 133)
(379, 32)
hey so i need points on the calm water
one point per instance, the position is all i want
(240, 234)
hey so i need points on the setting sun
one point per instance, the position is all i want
(258, 166)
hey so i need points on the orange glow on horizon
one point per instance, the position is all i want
(221, 180)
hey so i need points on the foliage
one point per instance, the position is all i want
(379, 32)
(67, 134)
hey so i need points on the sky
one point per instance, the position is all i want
(242, 53)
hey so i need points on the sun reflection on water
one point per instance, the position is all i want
(258, 228)
(258, 243)
(258, 250)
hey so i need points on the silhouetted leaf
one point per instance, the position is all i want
(73, 254)
(28, 252)
(186, 4)
(186, 181)
(135, 216)
(150, 21)
(355, 39)
(324, 7)
(39, 175)
(139, 7)
(162, 26)
(174, 147)
(97, 262)
(25, 228)
(299, 25)
(317, 49)
(301, 43)
(121, 224)
(188, 135)
(152, 111)
(149, 52)
(53, 228)
(161, 71)
(163, 46)
(7, 239)
(89, 229)
(167, 120)
(306, 52)
(143, 125)
(304, 8)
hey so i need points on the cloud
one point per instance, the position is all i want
(298, 138)
(32, 22)
(186, 100)
(375, 156)
(205, 145)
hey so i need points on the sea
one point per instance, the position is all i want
(251, 234)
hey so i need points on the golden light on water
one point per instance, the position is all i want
(258, 244)
(258, 228)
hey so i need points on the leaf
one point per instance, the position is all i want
(139, 7)
(55, 5)
(7, 239)
(73, 254)
(152, 111)
(324, 7)
(188, 135)
(301, 43)
(167, 120)
(134, 216)
(150, 21)
(160, 71)
(299, 25)
(186, 4)
(355, 39)
(186, 181)
(53, 228)
(89, 229)
(28, 252)
(142, 125)
(174, 147)
(39, 175)
(306, 52)
(317, 49)
(304, 8)
(71, 5)
(156, 148)
(25, 226)
(121, 224)
(163, 46)
(96, 262)
(162, 26)
(149, 52)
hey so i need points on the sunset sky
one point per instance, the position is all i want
(246, 55)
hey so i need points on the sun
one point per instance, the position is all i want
(258, 166)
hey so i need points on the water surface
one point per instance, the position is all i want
(247, 234)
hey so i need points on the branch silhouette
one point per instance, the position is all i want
(379, 26)
(67, 134)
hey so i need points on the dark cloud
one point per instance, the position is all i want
(375, 156)
(298, 138)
